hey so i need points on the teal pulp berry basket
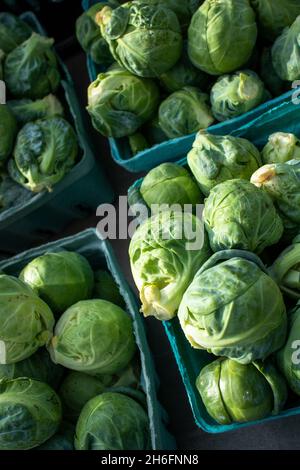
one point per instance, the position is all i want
(286, 118)
(101, 256)
(76, 196)
(174, 149)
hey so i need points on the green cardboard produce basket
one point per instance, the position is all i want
(285, 117)
(77, 195)
(174, 149)
(100, 254)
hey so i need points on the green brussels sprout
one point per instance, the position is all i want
(154, 132)
(38, 367)
(286, 270)
(94, 337)
(60, 279)
(8, 132)
(13, 31)
(62, 440)
(137, 143)
(145, 39)
(274, 15)
(214, 159)
(112, 421)
(30, 70)
(45, 151)
(288, 356)
(26, 321)
(184, 112)
(281, 181)
(162, 263)
(89, 35)
(27, 110)
(286, 53)
(78, 388)
(236, 94)
(120, 103)
(272, 81)
(239, 215)
(183, 74)
(281, 148)
(170, 184)
(136, 202)
(216, 29)
(106, 288)
(237, 393)
(234, 309)
(11, 193)
(30, 413)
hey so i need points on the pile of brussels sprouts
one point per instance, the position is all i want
(235, 295)
(38, 146)
(69, 369)
(175, 67)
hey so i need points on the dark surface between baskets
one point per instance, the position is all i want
(280, 434)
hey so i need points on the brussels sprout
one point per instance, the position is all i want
(286, 53)
(185, 112)
(136, 202)
(236, 94)
(145, 39)
(288, 356)
(27, 110)
(13, 31)
(30, 70)
(281, 182)
(8, 132)
(105, 288)
(45, 151)
(234, 309)
(11, 193)
(30, 413)
(26, 322)
(239, 215)
(274, 15)
(112, 421)
(38, 366)
(170, 184)
(272, 81)
(214, 159)
(216, 29)
(137, 143)
(60, 279)
(78, 388)
(62, 440)
(119, 103)
(95, 337)
(281, 148)
(161, 263)
(286, 270)
(233, 392)
(89, 35)
(154, 132)
(183, 74)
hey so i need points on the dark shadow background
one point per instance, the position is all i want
(281, 434)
